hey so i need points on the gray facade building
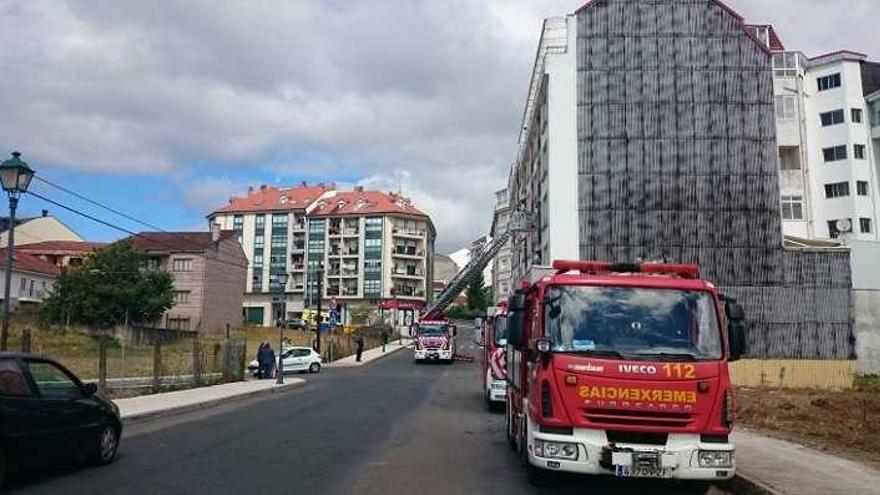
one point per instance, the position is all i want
(672, 109)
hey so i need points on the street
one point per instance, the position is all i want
(390, 427)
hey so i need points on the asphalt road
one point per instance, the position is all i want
(391, 427)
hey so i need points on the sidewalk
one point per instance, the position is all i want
(155, 405)
(368, 356)
(779, 466)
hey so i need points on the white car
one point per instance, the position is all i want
(296, 359)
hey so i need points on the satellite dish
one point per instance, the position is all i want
(844, 225)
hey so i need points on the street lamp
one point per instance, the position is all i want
(15, 176)
(282, 290)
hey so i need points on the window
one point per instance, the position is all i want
(279, 221)
(857, 115)
(372, 286)
(833, 231)
(832, 118)
(31, 291)
(862, 188)
(181, 297)
(52, 382)
(859, 151)
(792, 208)
(834, 154)
(372, 266)
(260, 222)
(238, 223)
(865, 225)
(152, 264)
(829, 82)
(178, 323)
(786, 107)
(12, 380)
(259, 241)
(23, 287)
(785, 64)
(182, 265)
(837, 190)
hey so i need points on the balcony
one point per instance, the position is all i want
(407, 251)
(408, 233)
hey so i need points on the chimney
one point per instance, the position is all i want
(303, 184)
(359, 188)
(263, 187)
(45, 213)
(250, 190)
(215, 232)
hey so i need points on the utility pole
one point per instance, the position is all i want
(282, 303)
(318, 318)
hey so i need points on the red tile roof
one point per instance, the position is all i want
(268, 198)
(60, 248)
(29, 263)
(360, 202)
(173, 242)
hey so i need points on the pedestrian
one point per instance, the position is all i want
(384, 338)
(270, 356)
(359, 340)
(261, 361)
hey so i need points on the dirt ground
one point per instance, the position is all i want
(846, 423)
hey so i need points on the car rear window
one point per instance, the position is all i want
(12, 380)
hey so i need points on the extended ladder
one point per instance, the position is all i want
(519, 222)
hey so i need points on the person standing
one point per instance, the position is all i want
(384, 338)
(273, 362)
(359, 340)
(261, 361)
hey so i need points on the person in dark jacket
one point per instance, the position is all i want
(359, 340)
(273, 361)
(262, 362)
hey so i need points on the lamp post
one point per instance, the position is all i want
(318, 318)
(15, 176)
(282, 291)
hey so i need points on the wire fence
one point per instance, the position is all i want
(133, 361)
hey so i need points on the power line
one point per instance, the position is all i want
(121, 229)
(115, 211)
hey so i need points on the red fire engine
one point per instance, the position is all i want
(434, 340)
(493, 370)
(622, 370)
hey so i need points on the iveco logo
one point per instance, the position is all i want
(637, 369)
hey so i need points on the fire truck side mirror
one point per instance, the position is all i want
(516, 302)
(736, 329)
(515, 330)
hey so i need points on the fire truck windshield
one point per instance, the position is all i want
(500, 331)
(633, 323)
(432, 330)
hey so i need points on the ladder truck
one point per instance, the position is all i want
(434, 335)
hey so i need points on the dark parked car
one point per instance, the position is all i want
(46, 413)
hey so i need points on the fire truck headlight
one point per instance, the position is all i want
(556, 450)
(715, 458)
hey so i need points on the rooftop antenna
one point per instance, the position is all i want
(399, 185)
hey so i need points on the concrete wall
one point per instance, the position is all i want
(224, 283)
(40, 230)
(866, 304)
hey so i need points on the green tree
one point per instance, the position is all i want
(476, 294)
(111, 287)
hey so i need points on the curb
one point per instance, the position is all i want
(173, 411)
(364, 363)
(742, 485)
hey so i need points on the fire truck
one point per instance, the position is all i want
(621, 370)
(492, 356)
(434, 340)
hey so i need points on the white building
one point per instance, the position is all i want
(375, 248)
(828, 166)
(501, 269)
(32, 278)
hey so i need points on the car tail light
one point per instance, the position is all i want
(546, 400)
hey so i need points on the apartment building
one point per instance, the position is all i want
(649, 133)
(827, 160)
(501, 268)
(209, 270)
(371, 247)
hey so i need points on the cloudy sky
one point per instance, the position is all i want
(163, 109)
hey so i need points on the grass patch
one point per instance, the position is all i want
(844, 422)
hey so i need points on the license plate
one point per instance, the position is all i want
(639, 472)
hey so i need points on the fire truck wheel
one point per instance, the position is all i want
(511, 440)
(537, 477)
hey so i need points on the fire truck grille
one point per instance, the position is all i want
(657, 419)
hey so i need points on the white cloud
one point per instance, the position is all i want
(360, 89)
